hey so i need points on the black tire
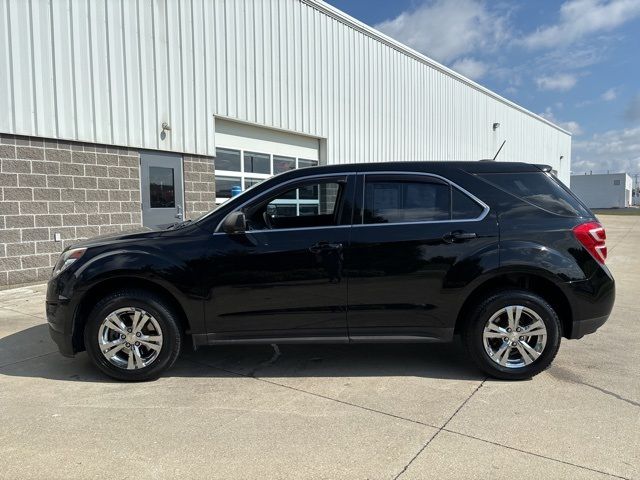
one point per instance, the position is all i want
(163, 314)
(472, 334)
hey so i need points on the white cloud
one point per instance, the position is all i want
(615, 150)
(571, 126)
(473, 69)
(609, 95)
(561, 82)
(446, 30)
(632, 112)
(580, 18)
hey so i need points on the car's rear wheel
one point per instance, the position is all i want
(513, 335)
(133, 335)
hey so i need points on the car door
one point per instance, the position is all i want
(416, 241)
(283, 278)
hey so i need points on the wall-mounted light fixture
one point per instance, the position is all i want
(165, 128)
(561, 157)
(496, 125)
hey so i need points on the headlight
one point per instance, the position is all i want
(67, 258)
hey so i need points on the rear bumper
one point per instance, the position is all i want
(591, 303)
(585, 327)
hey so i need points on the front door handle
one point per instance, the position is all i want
(322, 247)
(458, 235)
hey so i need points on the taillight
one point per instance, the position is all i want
(593, 237)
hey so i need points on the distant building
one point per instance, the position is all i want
(609, 190)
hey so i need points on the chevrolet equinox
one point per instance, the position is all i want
(501, 253)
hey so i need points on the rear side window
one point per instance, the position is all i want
(463, 207)
(391, 200)
(540, 190)
(405, 201)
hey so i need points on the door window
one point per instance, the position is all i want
(313, 204)
(161, 187)
(396, 201)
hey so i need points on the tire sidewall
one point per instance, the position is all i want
(171, 341)
(475, 339)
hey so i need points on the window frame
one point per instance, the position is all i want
(344, 177)
(244, 176)
(408, 176)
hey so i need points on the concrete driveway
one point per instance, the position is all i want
(357, 412)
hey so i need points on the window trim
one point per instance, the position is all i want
(479, 218)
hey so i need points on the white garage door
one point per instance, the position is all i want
(246, 155)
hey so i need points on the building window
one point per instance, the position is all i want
(225, 184)
(161, 188)
(616, 182)
(244, 169)
(228, 160)
(257, 163)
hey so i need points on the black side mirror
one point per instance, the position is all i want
(235, 223)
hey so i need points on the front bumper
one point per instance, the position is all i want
(60, 319)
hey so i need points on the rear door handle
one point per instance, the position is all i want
(321, 247)
(458, 235)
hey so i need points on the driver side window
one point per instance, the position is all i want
(309, 204)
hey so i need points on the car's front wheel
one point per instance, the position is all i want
(133, 335)
(513, 335)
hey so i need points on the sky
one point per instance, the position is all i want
(574, 62)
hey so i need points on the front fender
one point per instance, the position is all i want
(151, 266)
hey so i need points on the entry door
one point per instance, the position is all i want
(162, 189)
(283, 278)
(416, 245)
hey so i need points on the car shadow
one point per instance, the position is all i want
(31, 353)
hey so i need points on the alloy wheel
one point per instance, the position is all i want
(515, 336)
(130, 338)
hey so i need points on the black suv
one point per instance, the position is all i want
(501, 253)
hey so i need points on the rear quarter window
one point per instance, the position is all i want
(539, 189)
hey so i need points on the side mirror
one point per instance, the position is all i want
(235, 223)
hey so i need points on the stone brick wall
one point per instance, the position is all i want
(199, 185)
(78, 190)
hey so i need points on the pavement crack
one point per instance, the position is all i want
(439, 430)
(26, 359)
(4, 307)
(566, 375)
(534, 454)
(318, 395)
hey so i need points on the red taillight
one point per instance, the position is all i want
(593, 237)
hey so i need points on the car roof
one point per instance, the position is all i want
(481, 166)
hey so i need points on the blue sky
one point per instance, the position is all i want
(575, 62)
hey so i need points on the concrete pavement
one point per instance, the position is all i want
(363, 411)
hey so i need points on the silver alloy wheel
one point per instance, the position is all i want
(130, 338)
(514, 336)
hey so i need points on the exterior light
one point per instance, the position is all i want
(496, 125)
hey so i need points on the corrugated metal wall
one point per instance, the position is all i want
(112, 71)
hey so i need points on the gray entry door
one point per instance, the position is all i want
(162, 189)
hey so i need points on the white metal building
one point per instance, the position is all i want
(608, 190)
(250, 87)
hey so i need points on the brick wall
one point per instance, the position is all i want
(199, 185)
(76, 189)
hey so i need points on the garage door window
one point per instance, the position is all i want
(244, 169)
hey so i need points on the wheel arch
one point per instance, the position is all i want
(528, 281)
(107, 286)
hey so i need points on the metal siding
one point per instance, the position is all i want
(112, 71)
